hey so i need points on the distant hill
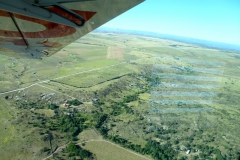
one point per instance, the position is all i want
(205, 43)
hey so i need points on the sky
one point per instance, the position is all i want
(214, 20)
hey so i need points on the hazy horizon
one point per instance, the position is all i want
(204, 20)
(119, 29)
(193, 40)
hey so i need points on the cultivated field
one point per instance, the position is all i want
(108, 151)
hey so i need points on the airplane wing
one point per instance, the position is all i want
(40, 28)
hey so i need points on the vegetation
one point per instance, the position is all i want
(74, 150)
(74, 102)
(158, 151)
(101, 120)
(53, 106)
(130, 98)
(72, 124)
(125, 102)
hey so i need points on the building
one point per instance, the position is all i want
(188, 151)
(66, 105)
(94, 99)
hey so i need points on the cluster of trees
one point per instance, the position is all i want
(164, 137)
(74, 102)
(158, 151)
(128, 110)
(133, 97)
(117, 110)
(101, 119)
(102, 129)
(120, 107)
(125, 143)
(53, 106)
(72, 124)
(161, 133)
(152, 147)
(130, 98)
(208, 150)
(74, 150)
(32, 104)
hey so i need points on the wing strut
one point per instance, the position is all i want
(49, 10)
(14, 21)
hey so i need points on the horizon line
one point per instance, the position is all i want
(170, 38)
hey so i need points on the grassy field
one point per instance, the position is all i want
(18, 140)
(7, 130)
(108, 151)
(180, 94)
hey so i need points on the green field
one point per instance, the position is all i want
(133, 92)
(108, 151)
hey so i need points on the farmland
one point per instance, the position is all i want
(126, 93)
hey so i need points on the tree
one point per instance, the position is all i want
(83, 153)
(74, 150)
(44, 149)
(101, 120)
(48, 137)
(53, 106)
(71, 148)
(74, 102)
(201, 155)
(175, 141)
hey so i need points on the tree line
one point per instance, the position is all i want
(152, 147)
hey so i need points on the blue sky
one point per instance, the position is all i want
(215, 20)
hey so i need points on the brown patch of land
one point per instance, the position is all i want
(115, 53)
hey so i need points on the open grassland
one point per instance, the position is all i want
(132, 89)
(7, 129)
(21, 138)
(105, 150)
(88, 135)
(17, 141)
(99, 76)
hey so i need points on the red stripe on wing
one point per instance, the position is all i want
(53, 30)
